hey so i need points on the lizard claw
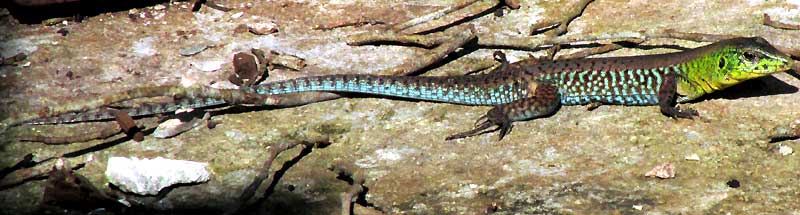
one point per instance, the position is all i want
(479, 129)
(483, 125)
(680, 113)
(686, 113)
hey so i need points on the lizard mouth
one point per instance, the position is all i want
(768, 69)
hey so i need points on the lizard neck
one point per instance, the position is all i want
(697, 75)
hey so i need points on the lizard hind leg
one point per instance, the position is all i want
(545, 101)
(483, 125)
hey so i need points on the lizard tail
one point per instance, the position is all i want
(139, 110)
(465, 90)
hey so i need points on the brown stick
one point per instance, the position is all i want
(427, 41)
(569, 17)
(796, 66)
(83, 136)
(264, 171)
(353, 192)
(349, 197)
(431, 16)
(534, 42)
(594, 51)
(780, 25)
(470, 10)
(590, 51)
(38, 171)
(356, 23)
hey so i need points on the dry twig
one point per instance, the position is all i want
(38, 170)
(777, 24)
(538, 42)
(95, 133)
(427, 41)
(594, 51)
(560, 27)
(431, 16)
(264, 172)
(355, 190)
(359, 22)
(461, 14)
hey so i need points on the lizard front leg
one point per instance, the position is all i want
(543, 101)
(667, 99)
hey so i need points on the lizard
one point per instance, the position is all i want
(530, 89)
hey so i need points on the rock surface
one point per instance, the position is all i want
(574, 162)
(150, 176)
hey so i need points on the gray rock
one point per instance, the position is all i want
(149, 176)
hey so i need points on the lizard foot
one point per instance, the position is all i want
(688, 113)
(685, 113)
(483, 125)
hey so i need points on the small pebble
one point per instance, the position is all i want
(638, 207)
(173, 127)
(663, 171)
(192, 50)
(208, 66)
(263, 28)
(785, 150)
(692, 157)
(237, 15)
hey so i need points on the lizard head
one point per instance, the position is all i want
(729, 62)
(741, 59)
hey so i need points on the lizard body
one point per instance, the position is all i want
(530, 89)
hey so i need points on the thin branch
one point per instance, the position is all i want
(594, 51)
(569, 17)
(457, 16)
(590, 51)
(784, 132)
(697, 37)
(796, 66)
(354, 23)
(38, 170)
(427, 41)
(354, 192)
(540, 41)
(780, 25)
(95, 133)
(431, 16)
(513, 4)
(264, 172)
(26, 162)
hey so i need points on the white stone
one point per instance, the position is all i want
(149, 176)
(237, 15)
(692, 157)
(208, 66)
(785, 150)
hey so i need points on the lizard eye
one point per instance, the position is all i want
(722, 63)
(750, 56)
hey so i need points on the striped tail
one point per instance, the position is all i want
(466, 90)
(141, 110)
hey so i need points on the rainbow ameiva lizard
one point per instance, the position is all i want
(531, 89)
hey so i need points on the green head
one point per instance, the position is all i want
(747, 58)
(729, 62)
